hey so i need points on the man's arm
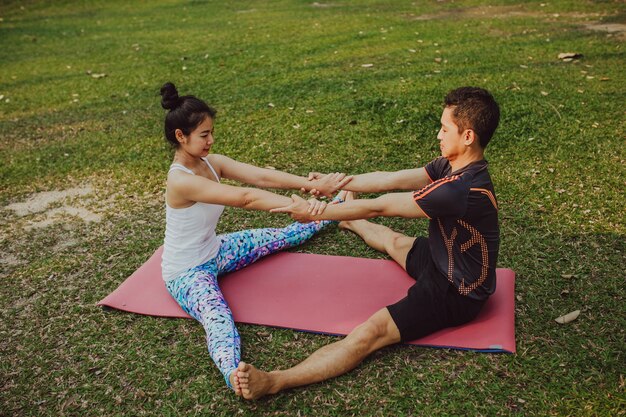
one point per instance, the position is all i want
(383, 181)
(388, 205)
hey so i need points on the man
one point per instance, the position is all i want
(454, 267)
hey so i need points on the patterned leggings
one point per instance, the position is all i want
(198, 293)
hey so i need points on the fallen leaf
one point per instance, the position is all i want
(564, 293)
(438, 60)
(570, 55)
(569, 317)
(605, 79)
(567, 276)
(270, 104)
(544, 93)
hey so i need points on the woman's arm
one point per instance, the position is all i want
(270, 178)
(186, 188)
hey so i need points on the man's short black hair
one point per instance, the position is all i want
(476, 109)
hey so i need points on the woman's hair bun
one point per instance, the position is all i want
(169, 96)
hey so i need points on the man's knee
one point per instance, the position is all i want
(378, 331)
(398, 246)
(397, 241)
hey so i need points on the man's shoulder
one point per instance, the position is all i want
(438, 168)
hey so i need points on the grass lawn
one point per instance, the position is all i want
(84, 162)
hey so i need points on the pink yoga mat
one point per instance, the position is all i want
(323, 294)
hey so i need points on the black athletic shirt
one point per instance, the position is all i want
(463, 234)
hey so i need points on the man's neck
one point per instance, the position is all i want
(467, 158)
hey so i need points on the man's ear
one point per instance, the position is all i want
(469, 137)
(180, 137)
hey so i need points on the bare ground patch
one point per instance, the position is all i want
(500, 12)
(84, 211)
(615, 29)
(27, 137)
(40, 201)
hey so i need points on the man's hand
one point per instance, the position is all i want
(316, 207)
(328, 184)
(298, 209)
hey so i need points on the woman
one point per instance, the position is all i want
(194, 256)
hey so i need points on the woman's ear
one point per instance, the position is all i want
(180, 137)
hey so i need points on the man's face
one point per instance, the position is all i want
(451, 141)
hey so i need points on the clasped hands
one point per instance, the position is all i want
(304, 211)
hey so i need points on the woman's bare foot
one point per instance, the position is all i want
(254, 383)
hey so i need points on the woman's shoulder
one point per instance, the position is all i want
(219, 162)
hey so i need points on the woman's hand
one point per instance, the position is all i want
(328, 184)
(298, 209)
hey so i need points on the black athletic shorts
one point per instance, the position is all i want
(432, 303)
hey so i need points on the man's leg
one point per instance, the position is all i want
(327, 362)
(381, 238)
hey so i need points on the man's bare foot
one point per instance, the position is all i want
(234, 379)
(254, 383)
(346, 224)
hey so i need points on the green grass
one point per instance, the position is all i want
(557, 162)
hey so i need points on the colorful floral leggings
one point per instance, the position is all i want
(198, 293)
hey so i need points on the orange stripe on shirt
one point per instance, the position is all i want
(431, 187)
(488, 194)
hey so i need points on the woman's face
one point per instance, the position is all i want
(200, 140)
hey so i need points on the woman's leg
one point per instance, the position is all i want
(198, 294)
(242, 248)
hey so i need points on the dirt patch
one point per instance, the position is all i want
(321, 5)
(501, 12)
(473, 12)
(10, 259)
(49, 207)
(25, 136)
(61, 213)
(606, 27)
(40, 201)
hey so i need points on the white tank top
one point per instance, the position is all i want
(190, 238)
